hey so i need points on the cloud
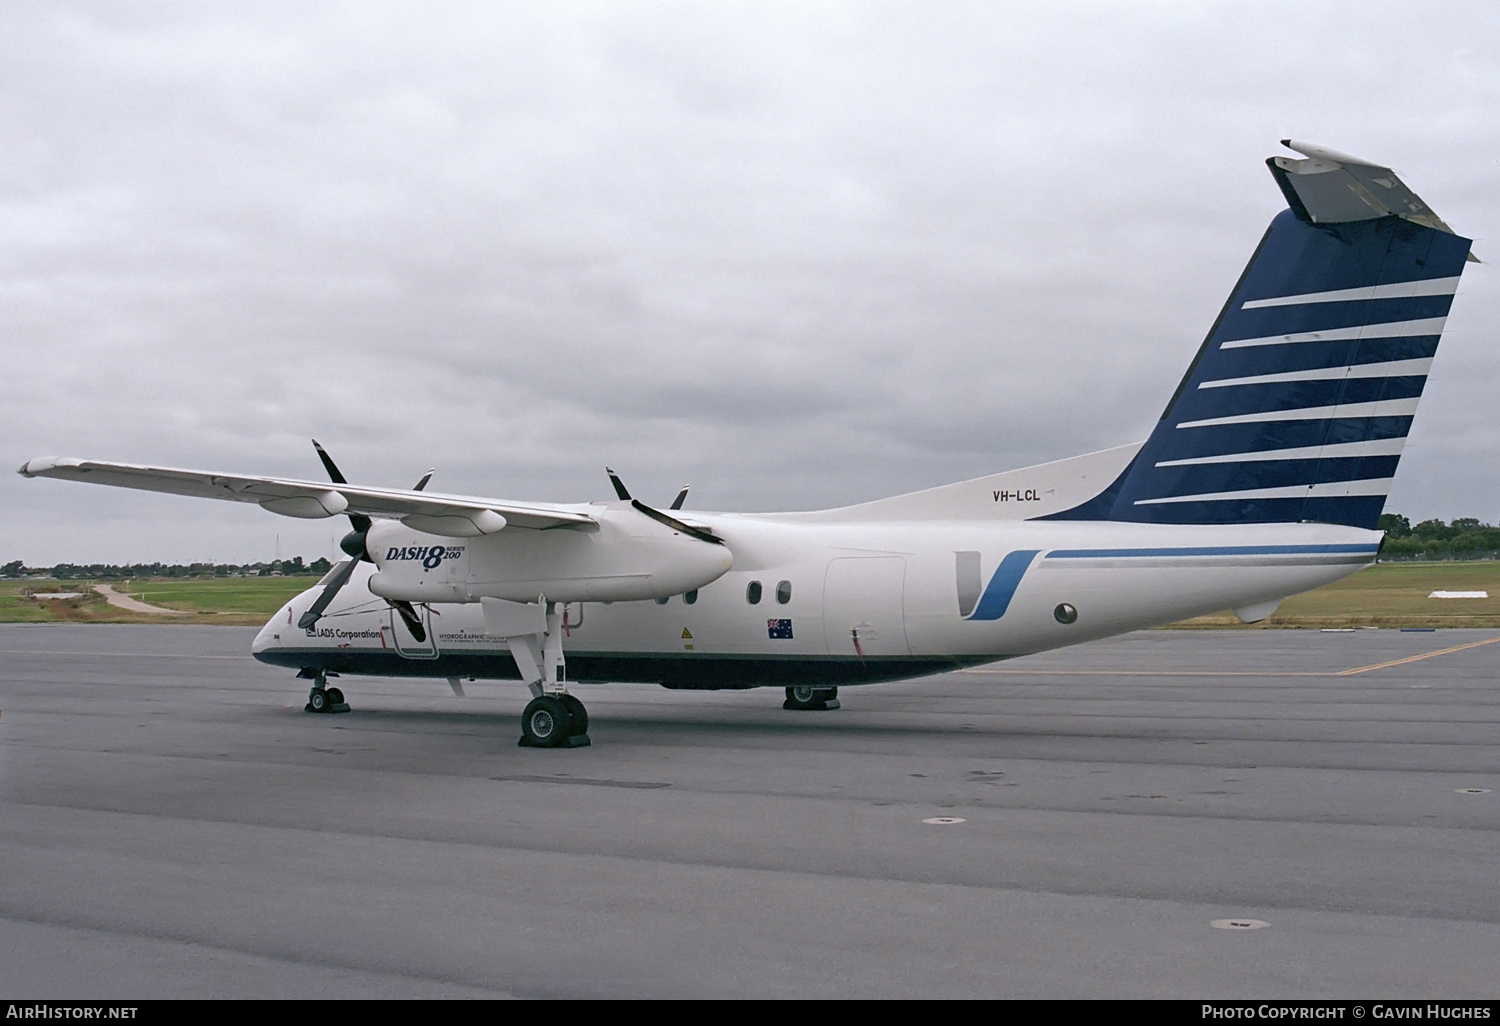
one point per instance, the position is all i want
(802, 255)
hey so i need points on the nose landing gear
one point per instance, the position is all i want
(322, 698)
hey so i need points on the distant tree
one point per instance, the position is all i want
(12, 569)
(319, 566)
(1468, 525)
(1394, 525)
(1433, 530)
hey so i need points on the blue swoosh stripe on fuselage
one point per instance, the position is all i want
(1002, 587)
(1214, 550)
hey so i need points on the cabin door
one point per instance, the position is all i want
(862, 610)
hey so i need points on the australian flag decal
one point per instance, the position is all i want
(779, 630)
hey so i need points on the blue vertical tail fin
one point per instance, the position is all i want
(1299, 400)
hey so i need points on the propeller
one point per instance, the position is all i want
(659, 516)
(353, 545)
(331, 585)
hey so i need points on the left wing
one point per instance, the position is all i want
(454, 516)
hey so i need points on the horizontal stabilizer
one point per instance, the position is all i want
(1329, 187)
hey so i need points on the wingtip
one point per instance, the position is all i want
(37, 465)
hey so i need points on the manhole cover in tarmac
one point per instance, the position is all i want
(1472, 790)
(1239, 924)
(945, 820)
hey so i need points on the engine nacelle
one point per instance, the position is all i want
(626, 557)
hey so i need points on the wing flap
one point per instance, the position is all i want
(305, 499)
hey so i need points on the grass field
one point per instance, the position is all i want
(1387, 595)
(231, 601)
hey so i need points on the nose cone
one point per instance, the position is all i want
(267, 639)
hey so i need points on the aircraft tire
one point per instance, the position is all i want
(335, 696)
(579, 714)
(317, 701)
(804, 698)
(545, 723)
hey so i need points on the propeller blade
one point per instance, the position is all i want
(410, 618)
(335, 579)
(675, 524)
(334, 474)
(659, 516)
(425, 478)
(359, 520)
(614, 479)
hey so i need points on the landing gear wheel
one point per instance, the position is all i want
(335, 696)
(805, 698)
(578, 712)
(317, 701)
(546, 723)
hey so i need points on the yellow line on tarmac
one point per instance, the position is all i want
(1415, 658)
(1154, 673)
(1230, 673)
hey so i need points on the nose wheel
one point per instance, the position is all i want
(322, 698)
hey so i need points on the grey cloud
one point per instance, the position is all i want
(803, 255)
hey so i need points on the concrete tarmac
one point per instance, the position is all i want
(172, 824)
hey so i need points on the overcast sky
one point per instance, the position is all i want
(798, 255)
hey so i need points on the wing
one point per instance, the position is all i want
(457, 516)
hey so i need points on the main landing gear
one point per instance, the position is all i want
(553, 718)
(555, 721)
(805, 698)
(322, 698)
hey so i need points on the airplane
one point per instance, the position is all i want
(1265, 476)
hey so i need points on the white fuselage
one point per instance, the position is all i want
(838, 602)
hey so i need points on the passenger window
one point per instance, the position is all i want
(690, 597)
(752, 593)
(784, 592)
